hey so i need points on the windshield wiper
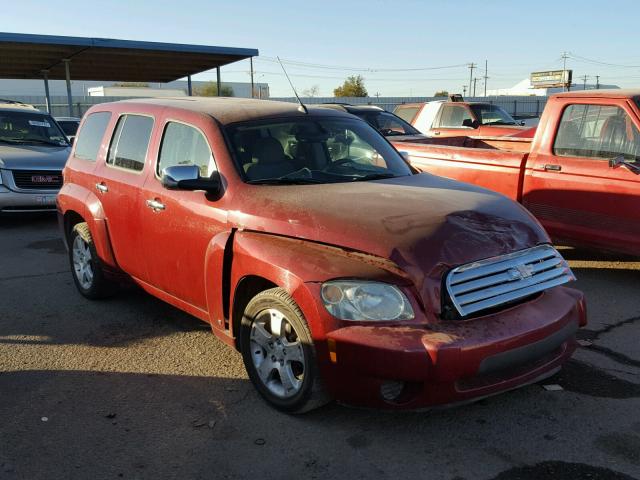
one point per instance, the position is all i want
(374, 176)
(284, 181)
(46, 142)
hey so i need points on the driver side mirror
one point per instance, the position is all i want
(467, 122)
(187, 177)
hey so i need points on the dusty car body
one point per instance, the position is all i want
(33, 151)
(350, 281)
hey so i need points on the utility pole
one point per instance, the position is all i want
(584, 82)
(486, 72)
(471, 67)
(464, 90)
(564, 57)
(475, 80)
(597, 82)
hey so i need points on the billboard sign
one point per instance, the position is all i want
(551, 78)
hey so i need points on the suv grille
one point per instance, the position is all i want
(38, 179)
(501, 280)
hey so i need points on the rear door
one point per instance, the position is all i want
(179, 224)
(571, 186)
(118, 185)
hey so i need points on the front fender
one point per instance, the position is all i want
(291, 263)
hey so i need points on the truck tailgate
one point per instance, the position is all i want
(498, 170)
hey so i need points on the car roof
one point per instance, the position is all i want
(10, 107)
(227, 110)
(346, 107)
(604, 93)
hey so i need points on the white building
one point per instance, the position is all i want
(525, 88)
(10, 88)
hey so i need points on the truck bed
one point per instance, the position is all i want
(496, 163)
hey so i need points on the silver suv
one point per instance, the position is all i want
(33, 151)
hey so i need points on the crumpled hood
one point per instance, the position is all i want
(33, 157)
(424, 223)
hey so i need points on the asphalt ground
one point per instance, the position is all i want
(133, 388)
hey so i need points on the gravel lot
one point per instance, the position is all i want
(133, 388)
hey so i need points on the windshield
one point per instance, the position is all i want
(69, 127)
(389, 124)
(313, 150)
(492, 115)
(30, 128)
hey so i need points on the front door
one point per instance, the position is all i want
(575, 191)
(451, 122)
(178, 224)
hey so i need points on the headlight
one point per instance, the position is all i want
(365, 301)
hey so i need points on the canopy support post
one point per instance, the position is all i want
(68, 78)
(252, 85)
(218, 82)
(47, 97)
(189, 91)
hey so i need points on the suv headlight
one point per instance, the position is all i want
(365, 301)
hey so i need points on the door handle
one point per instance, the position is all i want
(102, 188)
(155, 205)
(436, 133)
(552, 168)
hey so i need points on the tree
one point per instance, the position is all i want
(210, 89)
(311, 91)
(353, 86)
(441, 93)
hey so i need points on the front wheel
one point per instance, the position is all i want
(278, 353)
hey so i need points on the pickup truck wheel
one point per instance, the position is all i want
(278, 353)
(86, 268)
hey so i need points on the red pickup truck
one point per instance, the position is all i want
(441, 118)
(310, 245)
(578, 175)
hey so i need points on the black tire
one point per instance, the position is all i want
(311, 394)
(99, 286)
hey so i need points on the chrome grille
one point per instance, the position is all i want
(501, 280)
(37, 179)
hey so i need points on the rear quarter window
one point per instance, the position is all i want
(90, 138)
(130, 141)
(407, 113)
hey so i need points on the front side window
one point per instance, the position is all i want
(313, 150)
(453, 116)
(597, 131)
(130, 141)
(489, 114)
(389, 124)
(18, 127)
(185, 145)
(90, 138)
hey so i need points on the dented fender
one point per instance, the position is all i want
(292, 263)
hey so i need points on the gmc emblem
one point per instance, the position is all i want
(44, 178)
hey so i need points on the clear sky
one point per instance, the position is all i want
(380, 40)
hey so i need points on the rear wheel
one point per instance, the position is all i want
(86, 267)
(278, 353)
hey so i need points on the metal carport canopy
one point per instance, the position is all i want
(52, 57)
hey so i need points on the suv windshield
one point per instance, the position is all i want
(313, 150)
(30, 128)
(492, 115)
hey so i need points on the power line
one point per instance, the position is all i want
(356, 69)
(598, 62)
